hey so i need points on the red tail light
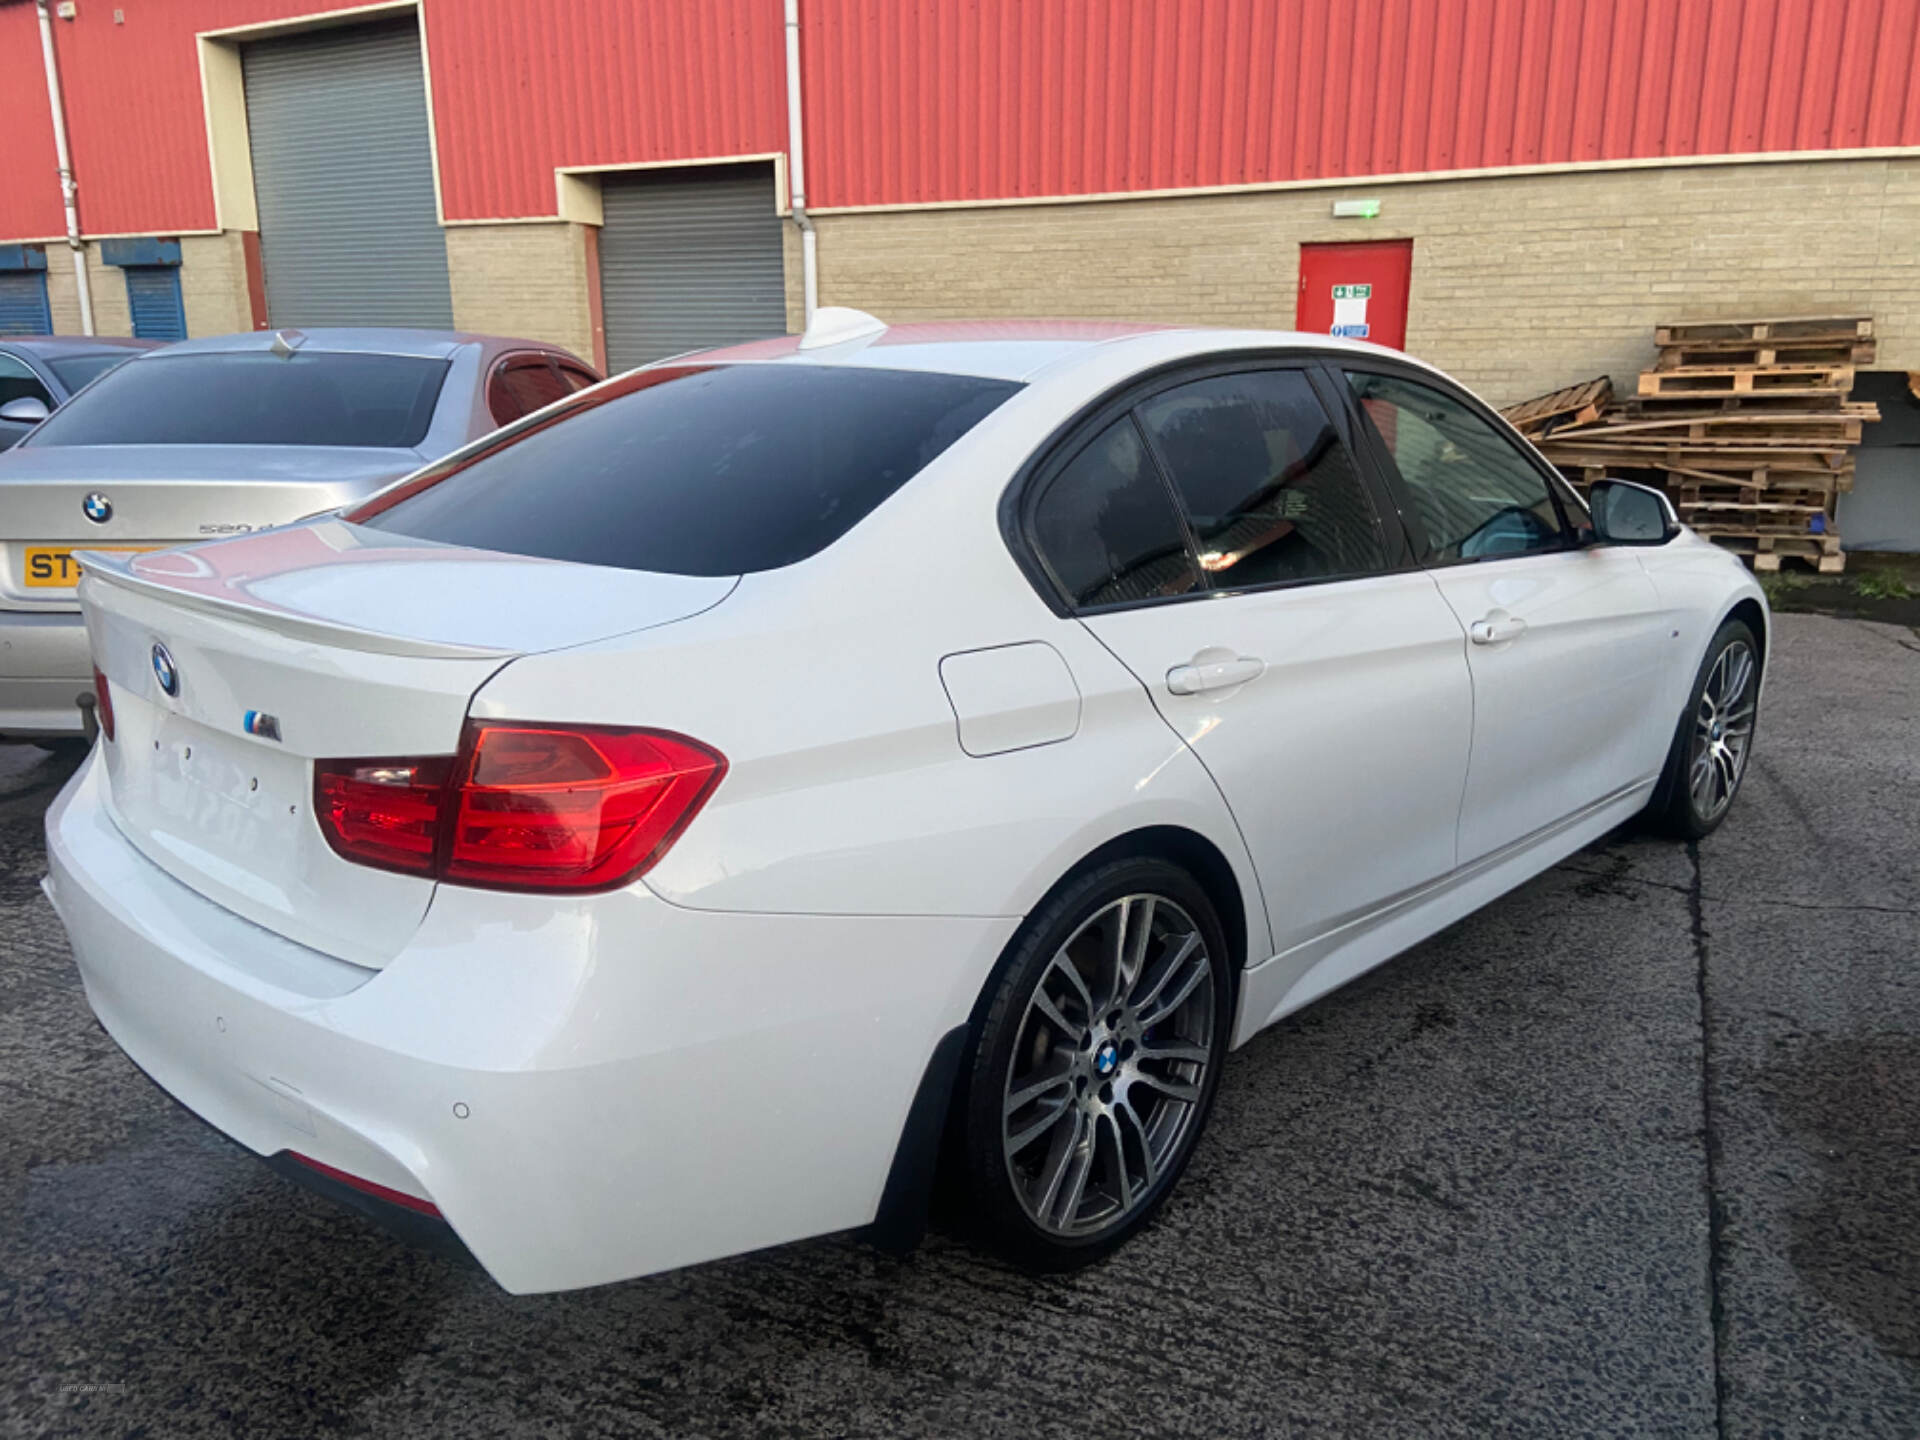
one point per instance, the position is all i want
(521, 807)
(383, 812)
(103, 703)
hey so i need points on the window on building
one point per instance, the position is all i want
(1473, 492)
(1270, 493)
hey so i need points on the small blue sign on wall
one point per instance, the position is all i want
(1351, 332)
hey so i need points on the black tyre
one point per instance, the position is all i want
(1095, 1064)
(1708, 758)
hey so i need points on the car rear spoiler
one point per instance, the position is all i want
(100, 567)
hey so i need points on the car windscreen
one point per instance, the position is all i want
(699, 470)
(254, 398)
(78, 371)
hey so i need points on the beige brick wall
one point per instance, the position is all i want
(527, 281)
(106, 283)
(1520, 283)
(213, 288)
(213, 284)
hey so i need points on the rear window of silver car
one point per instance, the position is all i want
(254, 398)
(697, 470)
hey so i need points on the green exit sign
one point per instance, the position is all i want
(1353, 292)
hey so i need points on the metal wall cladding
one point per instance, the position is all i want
(911, 101)
(521, 87)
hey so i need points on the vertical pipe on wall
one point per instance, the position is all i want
(797, 167)
(68, 189)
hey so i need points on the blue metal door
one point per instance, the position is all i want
(23, 303)
(153, 294)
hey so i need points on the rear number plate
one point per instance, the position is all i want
(52, 567)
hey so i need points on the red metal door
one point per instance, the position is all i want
(1358, 290)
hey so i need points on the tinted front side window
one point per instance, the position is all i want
(1269, 490)
(1107, 527)
(255, 398)
(1476, 496)
(18, 382)
(701, 470)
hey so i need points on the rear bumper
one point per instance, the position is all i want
(44, 667)
(586, 1091)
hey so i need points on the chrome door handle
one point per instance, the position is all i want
(1498, 628)
(1213, 675)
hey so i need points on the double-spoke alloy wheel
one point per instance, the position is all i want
(1708, 756)
(1722, 731)
(1096, 1053)
(1109, 1065)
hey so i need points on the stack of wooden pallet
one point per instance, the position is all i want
(1745, 422)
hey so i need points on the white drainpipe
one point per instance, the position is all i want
(68, 189)
(796, 165)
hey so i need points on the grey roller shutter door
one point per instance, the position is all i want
(343, 177)
(689, 259)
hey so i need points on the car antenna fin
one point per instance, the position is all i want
(285, 342)
(837, 324)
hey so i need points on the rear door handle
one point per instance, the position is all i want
(1498, 628)
(1201, 675)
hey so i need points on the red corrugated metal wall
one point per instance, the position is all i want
(911, 101)
(929, 100)
(523, 86)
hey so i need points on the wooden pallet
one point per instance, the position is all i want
(1576, 405)
(1746, 380)
(1804, 352)
(1681, 455)
(1756, 402)
(1799, 327)
(1765, 552)
(1786, 427)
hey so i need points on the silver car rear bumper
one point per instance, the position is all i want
(44, 669)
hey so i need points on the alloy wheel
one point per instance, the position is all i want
(1109, 1066)
(1722, 731)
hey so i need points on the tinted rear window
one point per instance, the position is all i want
(255, 398)
(709, 471)
(78, 371)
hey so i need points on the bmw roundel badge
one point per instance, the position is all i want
(164, 672)
(97, 508)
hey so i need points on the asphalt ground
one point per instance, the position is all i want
(1634, 1150)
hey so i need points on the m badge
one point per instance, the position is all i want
(258, 722)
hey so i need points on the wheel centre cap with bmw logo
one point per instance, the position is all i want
(164, 671)
(97, 508)
(1106, 1058)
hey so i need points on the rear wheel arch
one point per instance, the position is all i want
(941, 1097)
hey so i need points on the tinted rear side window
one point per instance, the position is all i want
(254, 398)
(1107, 528)
(701, 471)
(1269, 491)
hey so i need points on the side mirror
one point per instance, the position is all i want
(27, 410)
(1628, 514)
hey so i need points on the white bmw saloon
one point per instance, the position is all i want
(678, 822)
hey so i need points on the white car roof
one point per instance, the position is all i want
(1022, 349)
